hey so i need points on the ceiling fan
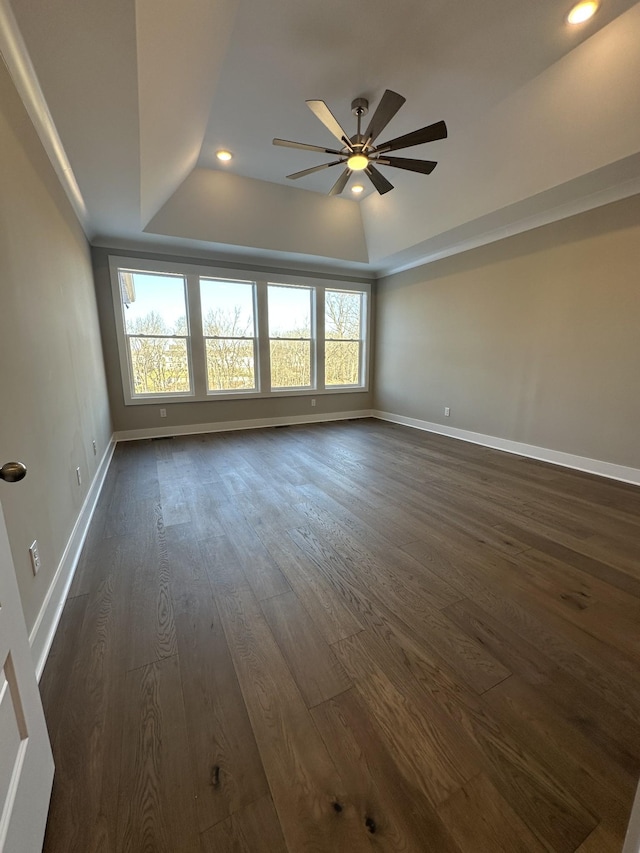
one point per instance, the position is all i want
(359, 152)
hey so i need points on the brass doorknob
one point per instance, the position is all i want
(11, 472)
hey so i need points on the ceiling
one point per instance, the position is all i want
(544, 120)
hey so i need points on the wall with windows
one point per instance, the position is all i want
(52, 381)
(208, 344)
(534, 339)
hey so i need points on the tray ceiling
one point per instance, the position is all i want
(543, 119)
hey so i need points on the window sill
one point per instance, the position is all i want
(244, 395)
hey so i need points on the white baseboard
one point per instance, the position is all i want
(544, 454)
(632, 840)
(230, 426)
(45, 626)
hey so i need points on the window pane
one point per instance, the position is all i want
(159, 365)
(342, 363)
(289, 311)
(154, 304)
(290, 364)
(342, 317)
(227, 308)
(230, 365)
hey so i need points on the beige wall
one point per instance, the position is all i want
(535, 338)
(143, 417)
(52, 383)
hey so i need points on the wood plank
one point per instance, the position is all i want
(431, 755)
(303, 780)
(84, 801)
(328, 610)
(601, 840)
(226, 767)
(263, 575)
(402, 817)
(604, 612)
(270, 508)
(316, 670)
(600, 721)
(255, 827)
(173, 504)
(475, 665)
(384, 563)
(353, 511)
(156, 808)
(202, 502)
(497, 585)
(603, 571)
(100, 557)
(552, 813)
(152, 629)
(55, 684)
(133, 492)
(481, 821)
(586, 770)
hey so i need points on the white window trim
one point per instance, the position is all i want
(217, 393)
(196, 345)
(312, 339)
(363, 340)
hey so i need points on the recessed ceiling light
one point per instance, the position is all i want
(224, 155)
(582, 12)
(357, 188)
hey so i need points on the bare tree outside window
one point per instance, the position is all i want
(290, 335)
(229, 349)
(229, 329)
(343, 337)
(155, 321)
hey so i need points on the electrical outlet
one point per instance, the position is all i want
(447, 411)
(78, 476)
(313, 402)
(163, 413)
(34, 553)
(95, 448)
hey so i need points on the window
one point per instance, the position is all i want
(194, 332)
(157, 332)
(290, 341)
(344, 344)
(229, 330)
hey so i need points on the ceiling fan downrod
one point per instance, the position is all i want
(359, 108)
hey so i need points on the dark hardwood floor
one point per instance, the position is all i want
(347, 637)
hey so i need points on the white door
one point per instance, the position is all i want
(26, 763)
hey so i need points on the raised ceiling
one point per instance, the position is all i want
(544, 120)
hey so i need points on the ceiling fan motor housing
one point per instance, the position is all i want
(360, 107)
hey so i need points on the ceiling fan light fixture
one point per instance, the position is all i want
(357, 162)
(582, 12)
(357, 189)
(225, 156)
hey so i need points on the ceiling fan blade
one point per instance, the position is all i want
(304, 146)
(426, 134)
(378, 180)
(322, 111)
(341, 183)
(313, 169)
(389, 105)
(423, 166)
